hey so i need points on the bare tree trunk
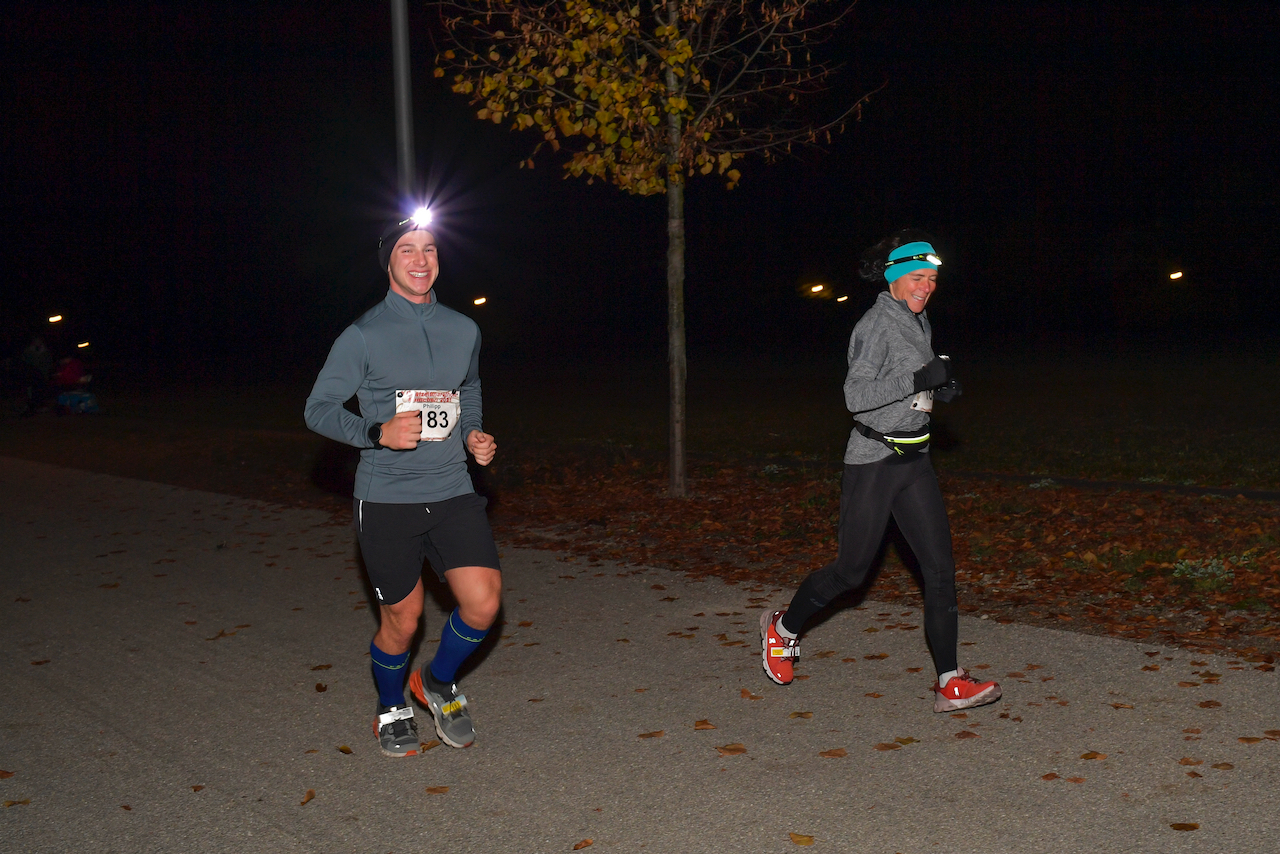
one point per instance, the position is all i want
(675, 331)
(675, 283)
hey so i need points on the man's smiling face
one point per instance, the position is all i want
(414, 265)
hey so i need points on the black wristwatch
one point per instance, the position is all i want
(375, 435)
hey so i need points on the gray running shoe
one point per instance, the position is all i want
(453, 721)
(397, 733)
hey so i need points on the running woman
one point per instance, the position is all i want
(892, 381)
(413, 365)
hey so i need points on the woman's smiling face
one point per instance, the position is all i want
(915, 288)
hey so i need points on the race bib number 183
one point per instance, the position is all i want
(440, 410)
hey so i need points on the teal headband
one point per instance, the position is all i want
(908, 257)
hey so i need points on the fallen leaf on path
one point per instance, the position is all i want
(1075, 779)
(657, 733)
(1187, 760)
(1151, 668)
(243, 626)
(837, 753)
(1210, 704)
(586, 843)
(321, 687)
(524, 624)
(824, 654)
(1248, 739)
(1194, 774)
(703, 724)
(1093, 754)
(40, 662)
(967, 733)
(801, 839)
(23, 802)
(222, 633)
(907, 740)
(805, 715)
(1188, 684)
(1185, 825)
(322, 667)
(876, 656)
(1272, 733)
(196, 788)
(1050, 776)
(126, 808)
(624, 640)
(747, 695)
(437, 790)
(342, 748)
(1121, 706)
(735, 749)
(428, 745)
(888, 745)
(5, 775)
(1222, 766)
(310, 795)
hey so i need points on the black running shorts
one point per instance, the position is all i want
(396, 538)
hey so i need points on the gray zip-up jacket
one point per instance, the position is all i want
(398, 344)
(889, 344)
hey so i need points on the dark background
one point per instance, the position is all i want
(198, 188)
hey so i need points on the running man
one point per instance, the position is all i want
(413, 365)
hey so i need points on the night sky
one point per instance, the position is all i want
(199, 187)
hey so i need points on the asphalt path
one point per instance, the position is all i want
(182, 671)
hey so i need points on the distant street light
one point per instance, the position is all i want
(55, 318)
(82, 345)
(1177, 275)
(479, 301)
(841, 299)
(816, 288)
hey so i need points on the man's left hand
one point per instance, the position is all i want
(481, 446)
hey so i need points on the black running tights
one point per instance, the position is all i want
(868, 494)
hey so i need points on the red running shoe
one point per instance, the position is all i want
(962, 691)
(777, 651)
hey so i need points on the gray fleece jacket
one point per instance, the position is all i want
(889, 344)
(398, 344)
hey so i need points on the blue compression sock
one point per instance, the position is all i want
(457, 641)
(388, 674)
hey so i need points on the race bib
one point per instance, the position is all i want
(440, 411)
(923, 401)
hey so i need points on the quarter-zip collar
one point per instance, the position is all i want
(420, 313)
(412, 310)
(901, 305)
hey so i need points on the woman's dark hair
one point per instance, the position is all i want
(875, 259)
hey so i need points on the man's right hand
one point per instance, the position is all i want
(403, 432)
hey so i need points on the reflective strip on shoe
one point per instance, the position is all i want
(404, 712)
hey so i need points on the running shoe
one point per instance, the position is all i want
(397, 733)
(777, 651)
(448, 707)
(962, 691)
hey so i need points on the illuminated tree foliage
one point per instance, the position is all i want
(646, 95)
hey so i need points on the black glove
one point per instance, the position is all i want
(932, 375)
(948, 392)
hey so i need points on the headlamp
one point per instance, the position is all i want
(927, 257)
